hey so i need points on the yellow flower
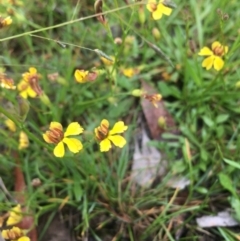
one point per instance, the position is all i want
(29, 86)
(5, 21)
(23, 141)
(10, 125)
(129, 72)
(153, 98)
(15, 215)
(158, 9)
(6, 82)
(214, 56)
(26, 90)
(81, 75)
(56, 136)
(14, 234)
(106, 137)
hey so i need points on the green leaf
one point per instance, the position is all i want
(232, 163)
(208, 121)
(222, 118)
(226, 182)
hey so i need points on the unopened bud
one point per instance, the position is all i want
(156, 33)
(162, 122)
(45, 100)
(141, 14)
(137, 92)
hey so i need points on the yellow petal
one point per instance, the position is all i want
(24, 94)
(24, 238)
(105, 123)
(73, 144)
(23, 141)
(31, 92)
(11, 125)
(55, 125)
(225, 49)
(216, 44)
(218, 63)
(118, 140)
(73, 129)
(208, 62)
(59, 150)
(164, 10)
(32, 70)
(205, 51)
(119, 127)
(15, 215)
(157, 14)
(151, 4)
(105, 145)
(45, 137)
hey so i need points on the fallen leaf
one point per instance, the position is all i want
(222, 219)
(152, 115)
(147, 162)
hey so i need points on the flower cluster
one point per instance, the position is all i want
(14, 233)
(23, 138)
(56, 135)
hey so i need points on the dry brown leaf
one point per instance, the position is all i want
(152, 115)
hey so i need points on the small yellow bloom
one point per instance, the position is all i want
(106, 137)
(10, 125)
(214, 58)
(23, 141)
(55, 135)
(158, 9)
(15, 216)
(26, 90)
(15, 234)
(6, 82)
(81, 76)
(29, 86)
(129, 72)
(153, 98)
(5, 21)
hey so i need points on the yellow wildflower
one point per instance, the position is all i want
(106, 137)
(15, 215)
(15, 234)
(6, 82)
(10, 125)
(129, 72)
(29, 86)
(56, 136)
(83, 76)
(158, 9)
(214, 58)
(23, 141)
(5, 21)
